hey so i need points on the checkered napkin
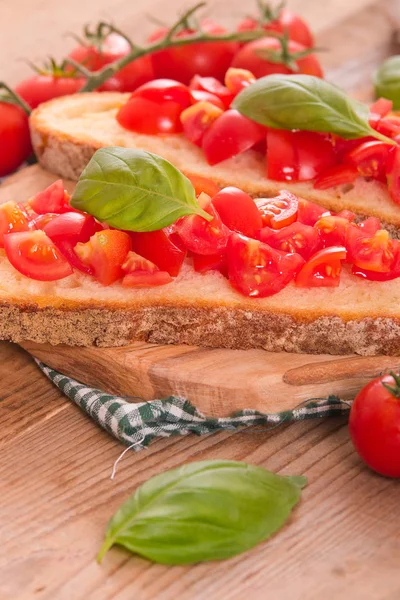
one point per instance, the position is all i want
(137, 424)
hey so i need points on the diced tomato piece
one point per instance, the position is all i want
(105, 253)
(202, 96)
(336, 175)
(394, 272)
(67, 248)
(72, 225)
(376, 252)
(34, 255)
(203, 185)
(280, 211)
(54, 199)
(197, 119)
(393, 174)
(389, 126)
(213, 86)
(343, 147)
(212, 262)
(13, 218)
(282, 163)
(256, 269)
(370, 159)
(237, 79)
(323, 269)
(201, 236)
(370, 225)
(332, 230)
(303, 239)
(160, 248)
(238, 211)
(346, 214)
(380, 108)
(142, 273)
(40, 221)
(309, 212)
(229, 135)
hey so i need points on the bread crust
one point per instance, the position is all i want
(214, 327)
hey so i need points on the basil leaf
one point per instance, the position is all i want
(134, 190)
(387, 80)
(205, 510)
(304, 102)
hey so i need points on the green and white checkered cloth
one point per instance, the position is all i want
(137, 424)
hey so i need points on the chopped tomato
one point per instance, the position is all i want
(161, 248)
(203, 185)
(13, 218)
(203, 96)
(40, 221)
(213, 86)
(389, 126)
(346, 214)
(315, 154)
(67, 248)
(238, 211)
(142, 273)
(375, 252)
(370, 225)
(393, 174)
(155, 107)
(237, 79)
(380, 108)
(309, 212)
(54, 199)
(303, 239)
(323, 268)
(201, 236)
(332, 230)
(197, 119)
(336, 175)
(394, 273)
(229, 135)
(370, 159)
(280, 211)
(72, 225)
(105, 253)
(256, 269)
(34, 255)
(212, 262)
(282, 162)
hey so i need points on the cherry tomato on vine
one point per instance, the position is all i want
(43, 87)
(15, 139)
(281, 20)
(374, 425)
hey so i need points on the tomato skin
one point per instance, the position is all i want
(296, 27)
(209, 59)
(155, 107)
(142, 273)
(299, 238)
(72, 225)
(280, 211)
(212, 86)
(393, 174)
(40, 88)
(249, 58)
(203, 96)
(212, 262)
(238, 211)
(257, 270)
(201, 236)
(374, 426)
(203, 185)
(13, 218)
(52, 199)
(322, 269)
(309, 213)
(370, 158)
(197, 119)
(15, 139)
(336, 175)
(105, 253)
(34, 255)
(159, 248)
(229, 135)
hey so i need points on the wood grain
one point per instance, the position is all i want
(56, 496)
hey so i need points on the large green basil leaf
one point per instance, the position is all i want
(387, 80)
(206, 510)
(134, 190)
(307, 103)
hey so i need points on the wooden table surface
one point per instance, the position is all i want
(56, 494)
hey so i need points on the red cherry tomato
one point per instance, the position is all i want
(370, 158)
(183, 62)
(212, 262)
(376, 252)
(112, 48)
(201, 236)
(374, 425)
(204, 185)
(53, 199)
(323, 268)
(15, 139)
(212, 86)
(40, 88)
(142, 273)
(332, 230)
(197, 119)
(283, 21)
(280, 211)
(72, 225)
(336, 175)
(296, 237)
(309, 213)
(161, 248)
(254, 57)
(13, 218)
(34, 255)
(105, 253)
(155, 107)
(229, 135)
(256, 269)
(238, 211)
(202, 96)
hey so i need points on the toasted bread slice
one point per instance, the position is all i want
(67, 131)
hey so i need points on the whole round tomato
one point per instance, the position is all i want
(374, 425)
(41, 88)
(15, 140)
(255, 58)
(184, 62)
(280, 21)
(108, 50)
